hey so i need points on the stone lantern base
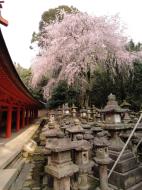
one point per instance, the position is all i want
(127, 173)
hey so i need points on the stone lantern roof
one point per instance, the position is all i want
(125, 104)
(77, 128)
(60, 145)
(83, 110)
(74, 107)
(59, 109)
(112, 105)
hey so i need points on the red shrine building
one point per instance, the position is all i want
(18, 108)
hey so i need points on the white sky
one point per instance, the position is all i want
(24, 17)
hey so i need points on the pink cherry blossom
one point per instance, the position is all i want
(77, 43)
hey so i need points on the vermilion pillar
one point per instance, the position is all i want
(0, 114)
(9, 122)
(23, 118)
(18, 120)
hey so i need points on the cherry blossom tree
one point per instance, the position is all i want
(73, 48)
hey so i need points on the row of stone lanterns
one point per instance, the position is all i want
(69, 146)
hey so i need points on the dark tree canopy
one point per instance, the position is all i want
(50, 16)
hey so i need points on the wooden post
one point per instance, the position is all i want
(1, 113)
(18, 120)
(9, 122)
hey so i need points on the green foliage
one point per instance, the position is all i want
(134, 89)
(62, 94)
(50, 16)
(37, 92)
(129, 88)
(25, 75)
(102, 86)
(131, 46)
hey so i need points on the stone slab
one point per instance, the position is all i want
(12, 148)
(7, 176)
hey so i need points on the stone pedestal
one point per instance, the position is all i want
(62, 184)
(127, 173)
(102, 159)
(83, 181)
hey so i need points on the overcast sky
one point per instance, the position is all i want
(24, 17)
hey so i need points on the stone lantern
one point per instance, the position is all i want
(66, 110)
(98, 117)
(113, 124)
(89, 114)
(51, 130)
(51, 116)
(50, 134)
(112, 111)
(126, 118)
(94, 112)
(83, 113)
(75, 129)
(125, 105)
(102, 159)
(82, 160)
(59, 112)
(61, 167)
(74, 108)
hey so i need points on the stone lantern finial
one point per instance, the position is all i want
(111, 97)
